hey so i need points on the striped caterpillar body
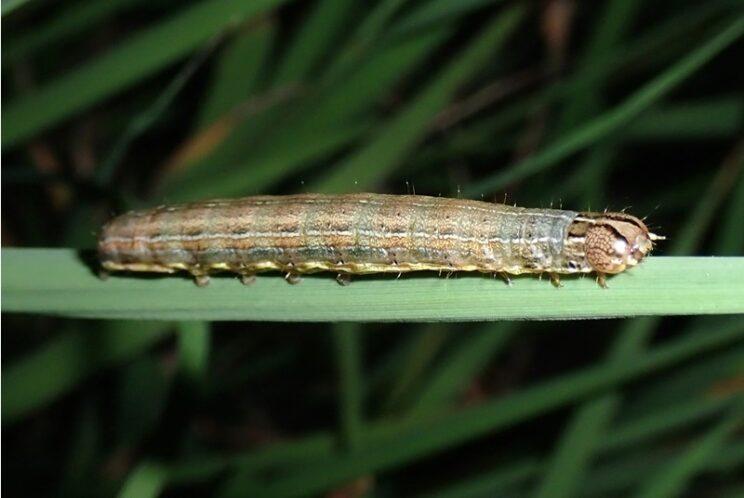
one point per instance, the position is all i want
(370, 233)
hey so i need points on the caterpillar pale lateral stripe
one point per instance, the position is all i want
(370, 233)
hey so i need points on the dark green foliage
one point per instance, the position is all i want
(621, 103)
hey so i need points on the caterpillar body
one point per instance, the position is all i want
(370, 233)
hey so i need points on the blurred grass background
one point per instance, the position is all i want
(120, 104)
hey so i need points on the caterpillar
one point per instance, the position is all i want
(370, 233)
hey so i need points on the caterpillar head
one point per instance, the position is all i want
(616, 241)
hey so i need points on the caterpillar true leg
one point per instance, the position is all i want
(247, 278)
(505, 277)
(293, 278)
(602, 280)
(555, 279)
(201, 280)
(343, 279)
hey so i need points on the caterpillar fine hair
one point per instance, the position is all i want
(370, 233)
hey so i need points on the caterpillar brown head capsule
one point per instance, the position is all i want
(370, 233)
(616, 241)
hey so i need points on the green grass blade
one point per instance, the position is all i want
(141, 122)
(277, 455)
(578, 444)
(55, 281)
(649, 49)
(147, 480)
(131, 61)
(385, 151)
(689, 238)
(238, 73)
(457, 369)
(387, 370)
(144, 386)
(617, 117)
(347, 341)
(697, 382)
(8, 6)
(436, 11)
(72, 21)
(83, 457)
(619, 478)
(596, 170)
(626, 435)
(730, 239)
(674, 479)
(587, 100)
(367, 84)
(635, 335)
(410, 441)
(325, 118)
(634, 432)
(616, 19)
(662, 421)
(318, 126)
(429, 342)
(193, 350)
(289, 153)
(573, 386)
(705, 120)
(360, 43)
(313, 40)
(584, 430)
(58, 366)
(496, 483)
